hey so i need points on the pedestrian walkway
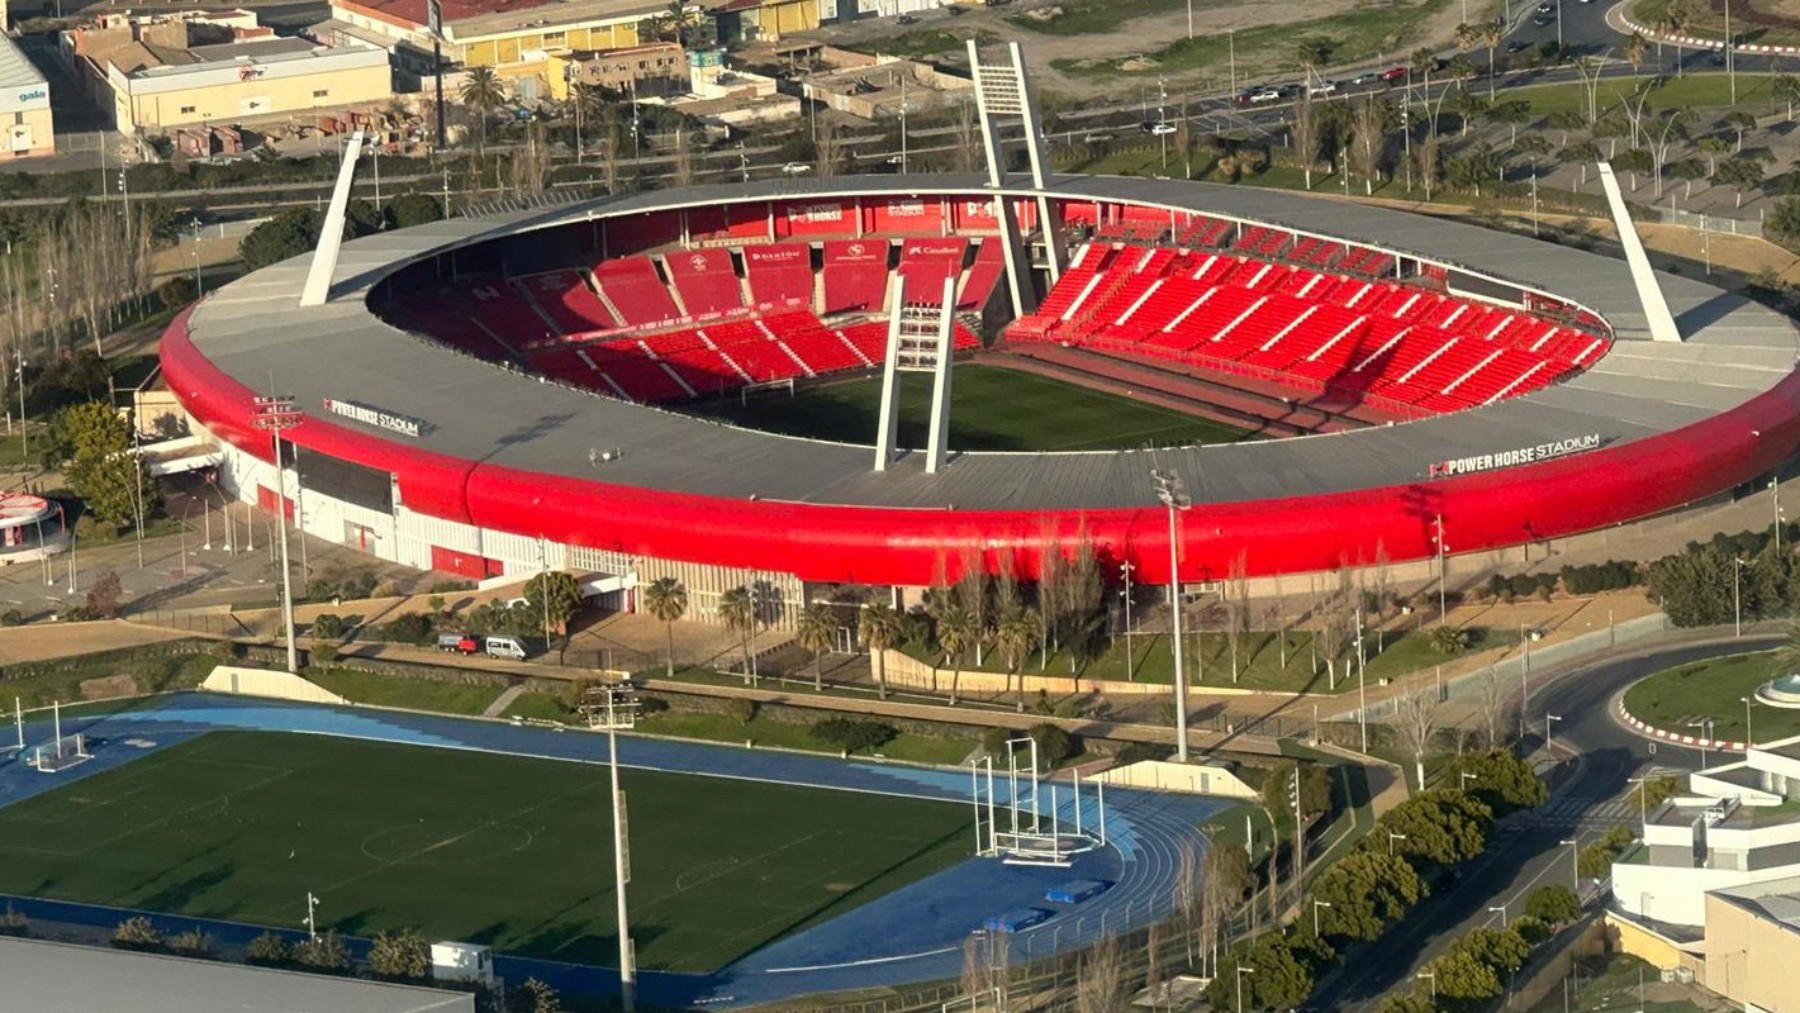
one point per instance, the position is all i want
(1579, 811)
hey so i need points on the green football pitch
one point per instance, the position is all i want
(991, 408)
(509, 851)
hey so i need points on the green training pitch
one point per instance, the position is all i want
(509, 851)
(991, 408)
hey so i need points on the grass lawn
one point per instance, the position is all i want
(467, 845)
(399, 691)
(991, 409)
(788, 735)
(1387, 30)
(536, 707)
(1693, 91)
(1712, 689)
(1259, 660)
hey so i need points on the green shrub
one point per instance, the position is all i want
(1553, 905)
(12, 617)
(853, 736)
(410, 628)
(743, 710)
(1054, 744)
(328, 627)
(1137, 752)
(323, 654)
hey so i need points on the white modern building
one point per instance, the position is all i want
(1738, 824)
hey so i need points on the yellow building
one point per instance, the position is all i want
(159, 72)
(250, 79)
(517, 37)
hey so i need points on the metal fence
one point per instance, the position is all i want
(1711, 223)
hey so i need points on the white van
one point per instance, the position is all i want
(504, 647)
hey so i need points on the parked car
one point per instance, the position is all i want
(796, 169)
(1547, 7)
(1159, 129)
(1396, 75)
(1321, 89)
(909, 19)
(1543, 20)
(504, 647)
(1265, 96)
(1098, 136)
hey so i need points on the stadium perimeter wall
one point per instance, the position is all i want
(913, 547)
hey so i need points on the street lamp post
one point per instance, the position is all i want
(1501, 910)
(1464, 777)
(19, 378)
(1749, 728)
(275, 413)
(1574, 846)
(1706, 733)
(1317, 904)
(1430, 976)
(1550, 721)
(1173, 496)
(1392, 837)
(1241, 971)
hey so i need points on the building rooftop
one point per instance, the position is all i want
(1775, 899)
(251, 49)
(58, 976)
(15, 70)
(469, 18)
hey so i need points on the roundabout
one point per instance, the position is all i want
(1723, 702)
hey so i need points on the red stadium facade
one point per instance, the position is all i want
(1480, 505)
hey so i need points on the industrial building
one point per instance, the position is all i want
(24, 104)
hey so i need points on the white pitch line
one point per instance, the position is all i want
(863, 963)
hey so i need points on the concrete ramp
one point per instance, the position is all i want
(262, 682)
(1192, 779)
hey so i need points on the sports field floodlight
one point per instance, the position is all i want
(276, 412)
(1173, 495)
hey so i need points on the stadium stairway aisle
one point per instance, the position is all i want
(912, 934)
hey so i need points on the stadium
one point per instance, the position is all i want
(714, 384)
(493, 395)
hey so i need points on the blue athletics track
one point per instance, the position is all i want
(913, 934)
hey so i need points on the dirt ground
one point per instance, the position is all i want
(38, 643)
(1137, 35)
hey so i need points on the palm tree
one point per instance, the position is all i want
(676, 23)
(879, 627)
(1636, 48)
(667, 600)
(1015, 635)
(1491, 34)
(956, 633)
(738, 610)
(816, 629)
(481, 91)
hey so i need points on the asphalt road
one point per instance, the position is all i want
(1527, 849)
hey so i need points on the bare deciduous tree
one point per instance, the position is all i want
(1099, 979)
(1415, 719)
(984, 970)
